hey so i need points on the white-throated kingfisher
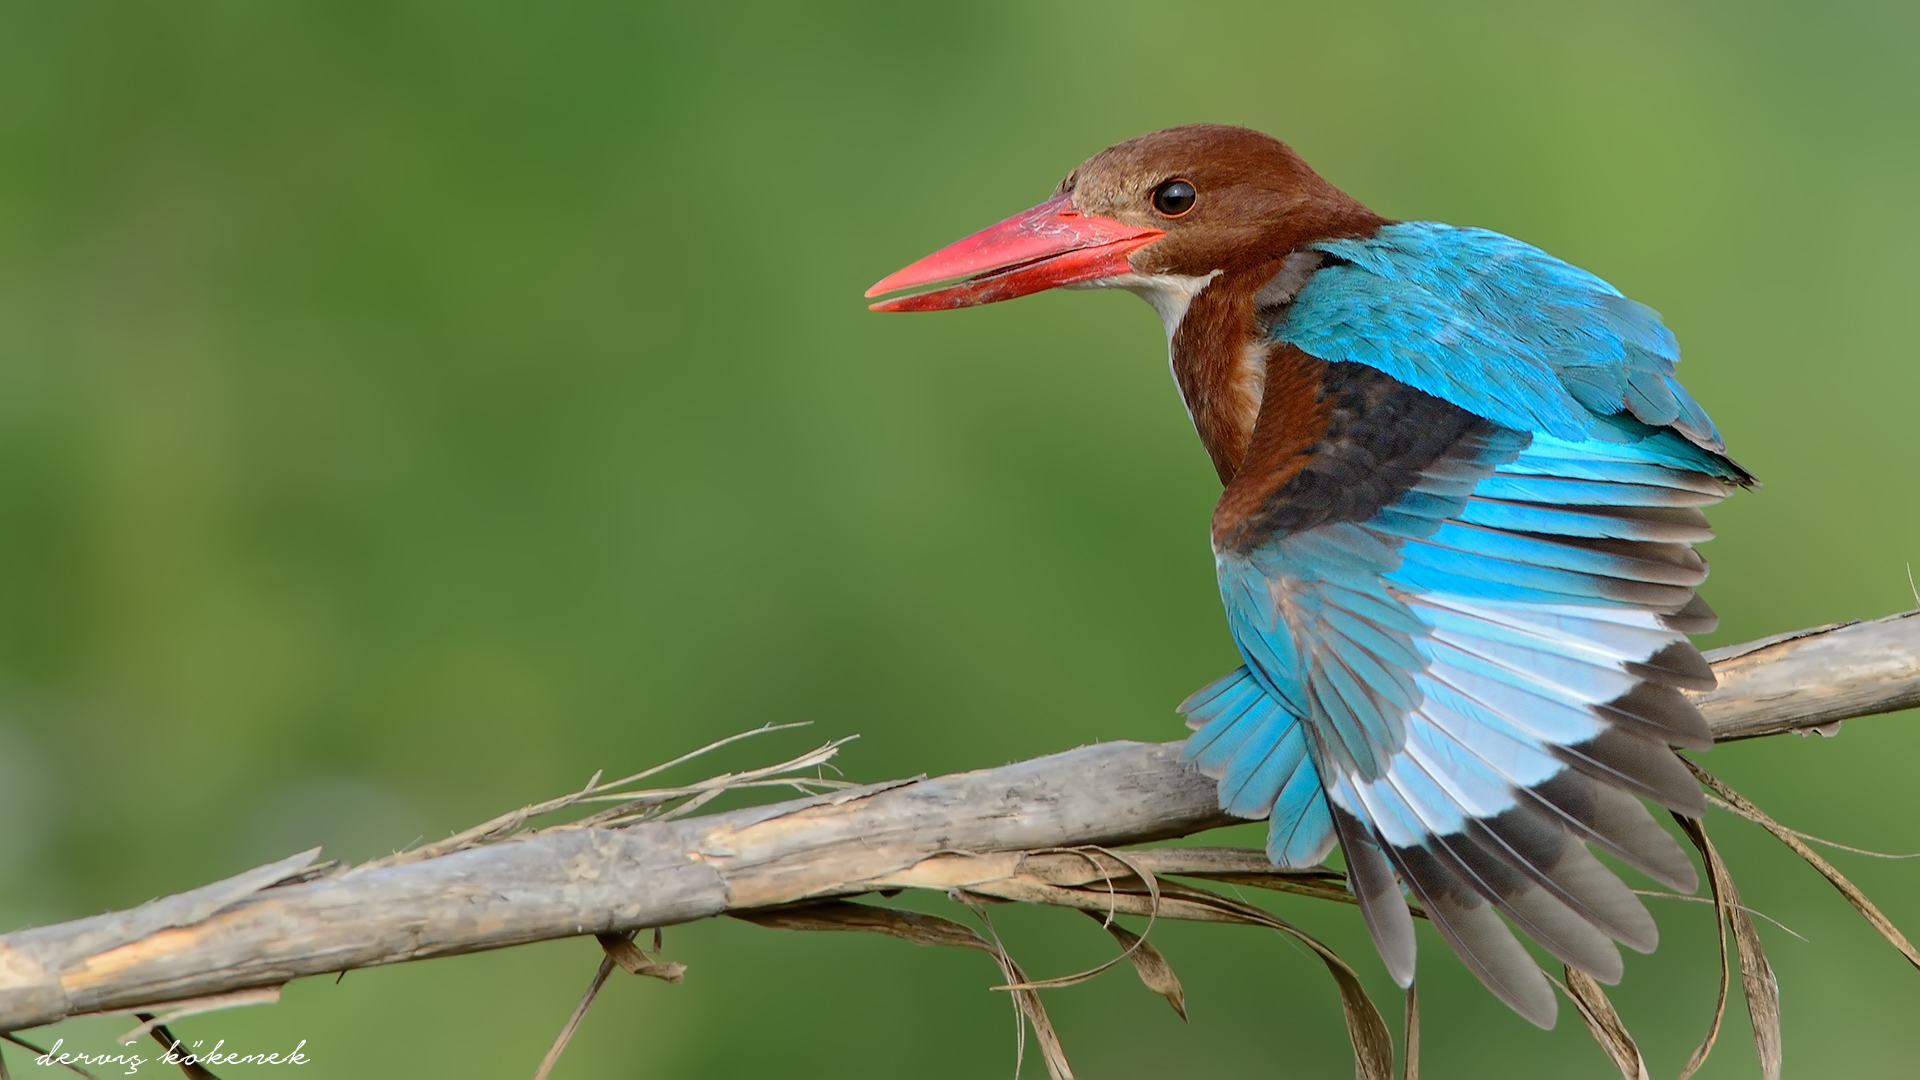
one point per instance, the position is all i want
(1455, 545)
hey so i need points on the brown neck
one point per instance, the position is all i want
(1221, 347)
(1219, 372)
(1294, 415)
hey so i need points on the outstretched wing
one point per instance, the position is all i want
(1462, 596)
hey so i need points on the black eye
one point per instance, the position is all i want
(1173, 198)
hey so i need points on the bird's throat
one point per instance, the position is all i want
(1219, 360)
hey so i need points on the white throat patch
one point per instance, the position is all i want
(1170, 294)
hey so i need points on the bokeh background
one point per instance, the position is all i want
(409, 408)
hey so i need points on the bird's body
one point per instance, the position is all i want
(1461, 489)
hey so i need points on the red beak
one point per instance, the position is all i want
(1051, 245)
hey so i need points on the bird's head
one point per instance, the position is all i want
(1162, 214)
(1207, 223)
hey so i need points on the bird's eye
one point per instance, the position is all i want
(1173, 198)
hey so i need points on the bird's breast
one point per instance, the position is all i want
(1220, 364)
(1289, 421)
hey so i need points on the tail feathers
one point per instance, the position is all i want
(1253, 780)
(1230, 694)
(1215, 698)
(1258, 751)
(1300, 831)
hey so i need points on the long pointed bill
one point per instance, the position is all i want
(1051, 245)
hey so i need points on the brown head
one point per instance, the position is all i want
(1200, 221)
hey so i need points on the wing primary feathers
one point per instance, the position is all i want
(1679, 665)
(1559, 929)
(1618, 823)
(1519, 849)
(1424, 791)
(1541, 848)
(1659, 713)
(1697, 617)
(1621, 758)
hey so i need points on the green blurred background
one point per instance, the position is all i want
(407, 409)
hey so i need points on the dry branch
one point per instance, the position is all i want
(988, 831)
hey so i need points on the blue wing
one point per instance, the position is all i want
(1499, 328)
(1469, 680)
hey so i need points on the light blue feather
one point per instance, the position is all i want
(1300, 830)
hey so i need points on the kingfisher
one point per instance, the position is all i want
(1455, 542)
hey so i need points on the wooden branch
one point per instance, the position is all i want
(1813, 679)
(257, 929)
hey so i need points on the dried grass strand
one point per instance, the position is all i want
(573, 1022)
(741, 736)
(1838, 846)
(37, 1052)
(1603, 1023)
(637, 806)
(1755, 912)
(923, 929)
(1148, 962)
(1700, 1052)
(1761, 989)
(163, 1035)
(1410, 1041)
(159, 1016)
(1373, 1047)
(1739, 804)
(1152, 885)
(1029, 1007)
(1366, 1029)
(621, 949)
